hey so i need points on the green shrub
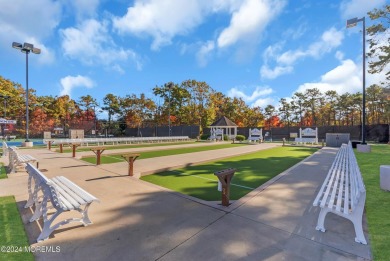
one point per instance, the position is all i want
(240, 138)
(204, 136)
(225, 137)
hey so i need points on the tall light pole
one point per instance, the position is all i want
(170, 85)
(5, 97)
(351, 23)
(26, 48)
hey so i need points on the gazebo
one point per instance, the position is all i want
(229, 128)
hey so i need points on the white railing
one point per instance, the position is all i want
(114, 141)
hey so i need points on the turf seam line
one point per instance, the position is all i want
(196, 176)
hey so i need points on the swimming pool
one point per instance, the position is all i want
(19, 143)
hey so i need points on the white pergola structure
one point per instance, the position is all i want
(229, 128)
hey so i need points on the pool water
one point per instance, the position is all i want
(19, 143)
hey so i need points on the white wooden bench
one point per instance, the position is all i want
(63, 195)
(255, 135)
(16, 159)
(343, 192)
(5, 149)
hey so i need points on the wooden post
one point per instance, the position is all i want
(98, 152)
(225, 177)
(74, 146)
(130, 158)
(49, 144)
(61, 147)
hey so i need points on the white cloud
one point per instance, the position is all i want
(347, 77)
(329, 40)
(262, 103)
(268, 73)
(358, 8)
(68, 83)
(251, 18)
(258, 97)
(339, 55)
(84, 8)
(258, 92)
(29, 21)
(164, 19)
(91, 44)
(161, 19)
(204, 52)
(32, 18)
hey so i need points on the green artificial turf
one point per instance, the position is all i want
(253, 170)
(3, 173)
(106, 159)
(13, 238)
(378, 201)
(66, 149)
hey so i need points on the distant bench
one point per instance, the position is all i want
(5, 149)
(343, 192)
(64, 196)
(16, 159)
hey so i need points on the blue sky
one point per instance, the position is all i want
(260, 50)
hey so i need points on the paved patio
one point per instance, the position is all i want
(140, 221)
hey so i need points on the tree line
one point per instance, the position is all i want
(189, 103)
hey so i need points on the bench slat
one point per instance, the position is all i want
(331, 180)
(68, 198)
(80, 192)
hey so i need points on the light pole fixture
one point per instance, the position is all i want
(5, 97)
(351, 23)
(26, 48)
(170, 85)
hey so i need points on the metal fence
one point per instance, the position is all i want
(374, 133)
(163, 131)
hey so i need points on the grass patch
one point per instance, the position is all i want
(124, 146)
(106, 159)
(12, 232)
(378, 201)
(3, 173)
(253, 170)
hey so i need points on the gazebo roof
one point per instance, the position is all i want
(223, 122)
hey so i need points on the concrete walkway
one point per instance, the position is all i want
(139, 221)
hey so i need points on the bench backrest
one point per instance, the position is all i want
(12, 154)
(255, 134)
(43, 183)
(5, 148)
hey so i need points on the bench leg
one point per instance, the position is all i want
(85, 220)
(355, 217)
(48, 229)
(321, 219)
(37, 213)
(357, 220)
(30, 200)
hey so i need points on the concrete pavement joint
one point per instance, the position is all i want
(189, 238)
(295, 234)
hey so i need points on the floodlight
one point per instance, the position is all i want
(352, 22)
(17, 45)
